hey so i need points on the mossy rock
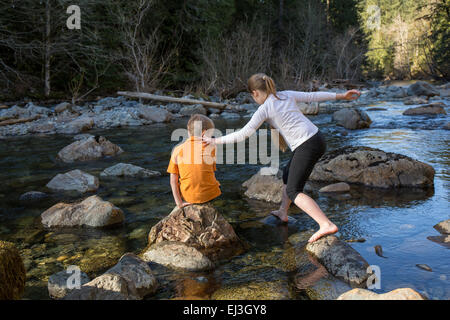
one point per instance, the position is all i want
(274, 290)
(12, 272)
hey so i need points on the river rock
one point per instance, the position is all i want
(340, 259)
(12, 272)
(192, 109)
(130, 279)
(128, 170)
(432, 108)
(351, 118)
(33, 196)
(63, 106)
(397, 294)
(265, 290)
(57, 283)
(92, 212)
(89, 149)
(78, 125)
(266, 185)
(177, 255)
(372, 167)
(336, 187)
(173, 107)
(154, 114)
(443, 226)
(414, 100)
(447, 126)
(422, 88)
(327, 288)
(74, 180)
(199, 226)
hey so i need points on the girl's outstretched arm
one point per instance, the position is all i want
(255, 122)
(319, 96)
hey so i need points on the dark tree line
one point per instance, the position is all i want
(206, 46)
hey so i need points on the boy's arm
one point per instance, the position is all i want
(176, 191)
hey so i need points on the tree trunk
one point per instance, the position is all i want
(150, 96)
(47, 50)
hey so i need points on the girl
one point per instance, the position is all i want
(297, 132)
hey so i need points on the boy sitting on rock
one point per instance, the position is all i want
(192, 165)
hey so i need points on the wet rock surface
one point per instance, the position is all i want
(130, 279)
(352, 119)
(76, 180)
(340, 259)
(266, 185)
(372, 167)
(397, 294)
(91, 212)
(12, 272)
(128, 170)
(201, 227)
(89, 149)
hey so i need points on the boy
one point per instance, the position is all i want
(192, 165)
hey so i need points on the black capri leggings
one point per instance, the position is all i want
(301, 164)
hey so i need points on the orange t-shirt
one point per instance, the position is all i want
(195, 164)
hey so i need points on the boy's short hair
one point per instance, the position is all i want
(203, 123)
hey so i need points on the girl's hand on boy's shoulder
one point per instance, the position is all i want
(208, 140)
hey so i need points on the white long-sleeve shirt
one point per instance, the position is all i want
(284, 115)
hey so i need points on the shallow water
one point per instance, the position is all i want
(400, 221)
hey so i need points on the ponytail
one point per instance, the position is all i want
(263, 82)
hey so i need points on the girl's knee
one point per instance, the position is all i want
(292, 194)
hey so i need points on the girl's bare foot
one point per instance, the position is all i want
(323, 231)
(280, 214)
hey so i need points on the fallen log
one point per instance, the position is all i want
(15, 121)
(150, 96)
(4, 107)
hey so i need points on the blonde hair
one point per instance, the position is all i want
(206, 124)
(264, 83)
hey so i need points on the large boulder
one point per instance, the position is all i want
(91, 212)
(89, 149)
(74, 180)
(414, 100)
(78, 125)
(130, 279)
(266, 185)
(422, 88)
(432, 108)
(154, 114)
(201, 227)
(340, 259)
(397, 294)
(443, 226)
(12, 272)
(58, 283)
(128, 170)
(372, 167)
(351, 118)
(177, 255)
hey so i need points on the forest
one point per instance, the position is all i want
(211, 47)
